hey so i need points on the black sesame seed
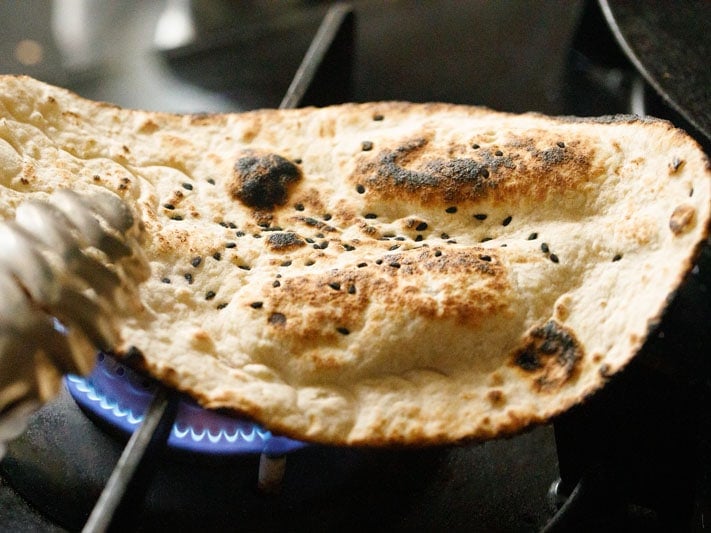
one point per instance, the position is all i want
(361, 265)
(360, 189)
(187, 186)
(617, 257)
(554, 258)
(451, 209)
(486, 258)
(169, 206)
(230, 245)
(298, 160)
(400, 238)
(286, 263)
(277, 319)
(394, 247)
(240, 233)
(245, 267)
(319, 235)
(211, 181)
(342, 330)
(422, 226)
(480, 216)
(335, 286)
(189, 278)
(209, 295)
(533, 236)
(310, 262)
(348, 247)
(438, 253)
(475, 146)
(309, 240)
(221, 306)
(232, 225)
(176, 217)
(378, 117)
(395, 264)
(276, 283)
(486, 239)
(299, 207)
(223, 224)
(419, 238)
(451, 241)
(195, 261)
(498, 153)
(484, 172)
(327, 216)
(378, 261)
(278, 275)
(445, 236)
(506, 221)
(544, 248)
(256, 305)
(351, 289)
(366, 146)
(165, 280)
(560, 144)
(257, 235)
(370, 216)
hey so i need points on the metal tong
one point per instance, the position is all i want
(69, 269)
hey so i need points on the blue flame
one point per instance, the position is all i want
(112, 393)
(112, 407)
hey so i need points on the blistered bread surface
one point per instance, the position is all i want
(380, 273)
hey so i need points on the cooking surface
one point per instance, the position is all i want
(513, 56)
(429, 489)
(671, 45)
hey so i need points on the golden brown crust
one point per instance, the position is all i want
(382, 273)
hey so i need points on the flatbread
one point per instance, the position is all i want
(379, 273)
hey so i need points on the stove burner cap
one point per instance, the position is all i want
(118, 397)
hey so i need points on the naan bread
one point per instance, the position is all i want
(382, 273)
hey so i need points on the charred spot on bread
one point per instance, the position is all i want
(261, 180)
(422, 171)
(550, 355)
(277, 319)
(283, 241)
(682, 219)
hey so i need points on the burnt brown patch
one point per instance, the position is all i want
(148, 127)
(403, 168)
(550, 355)
(277, 319)
(262, 180)
(496, 397)
(475, 290)
(284, 241)
(682, 219)
(524, 166)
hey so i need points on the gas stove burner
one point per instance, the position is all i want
(117, 397)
